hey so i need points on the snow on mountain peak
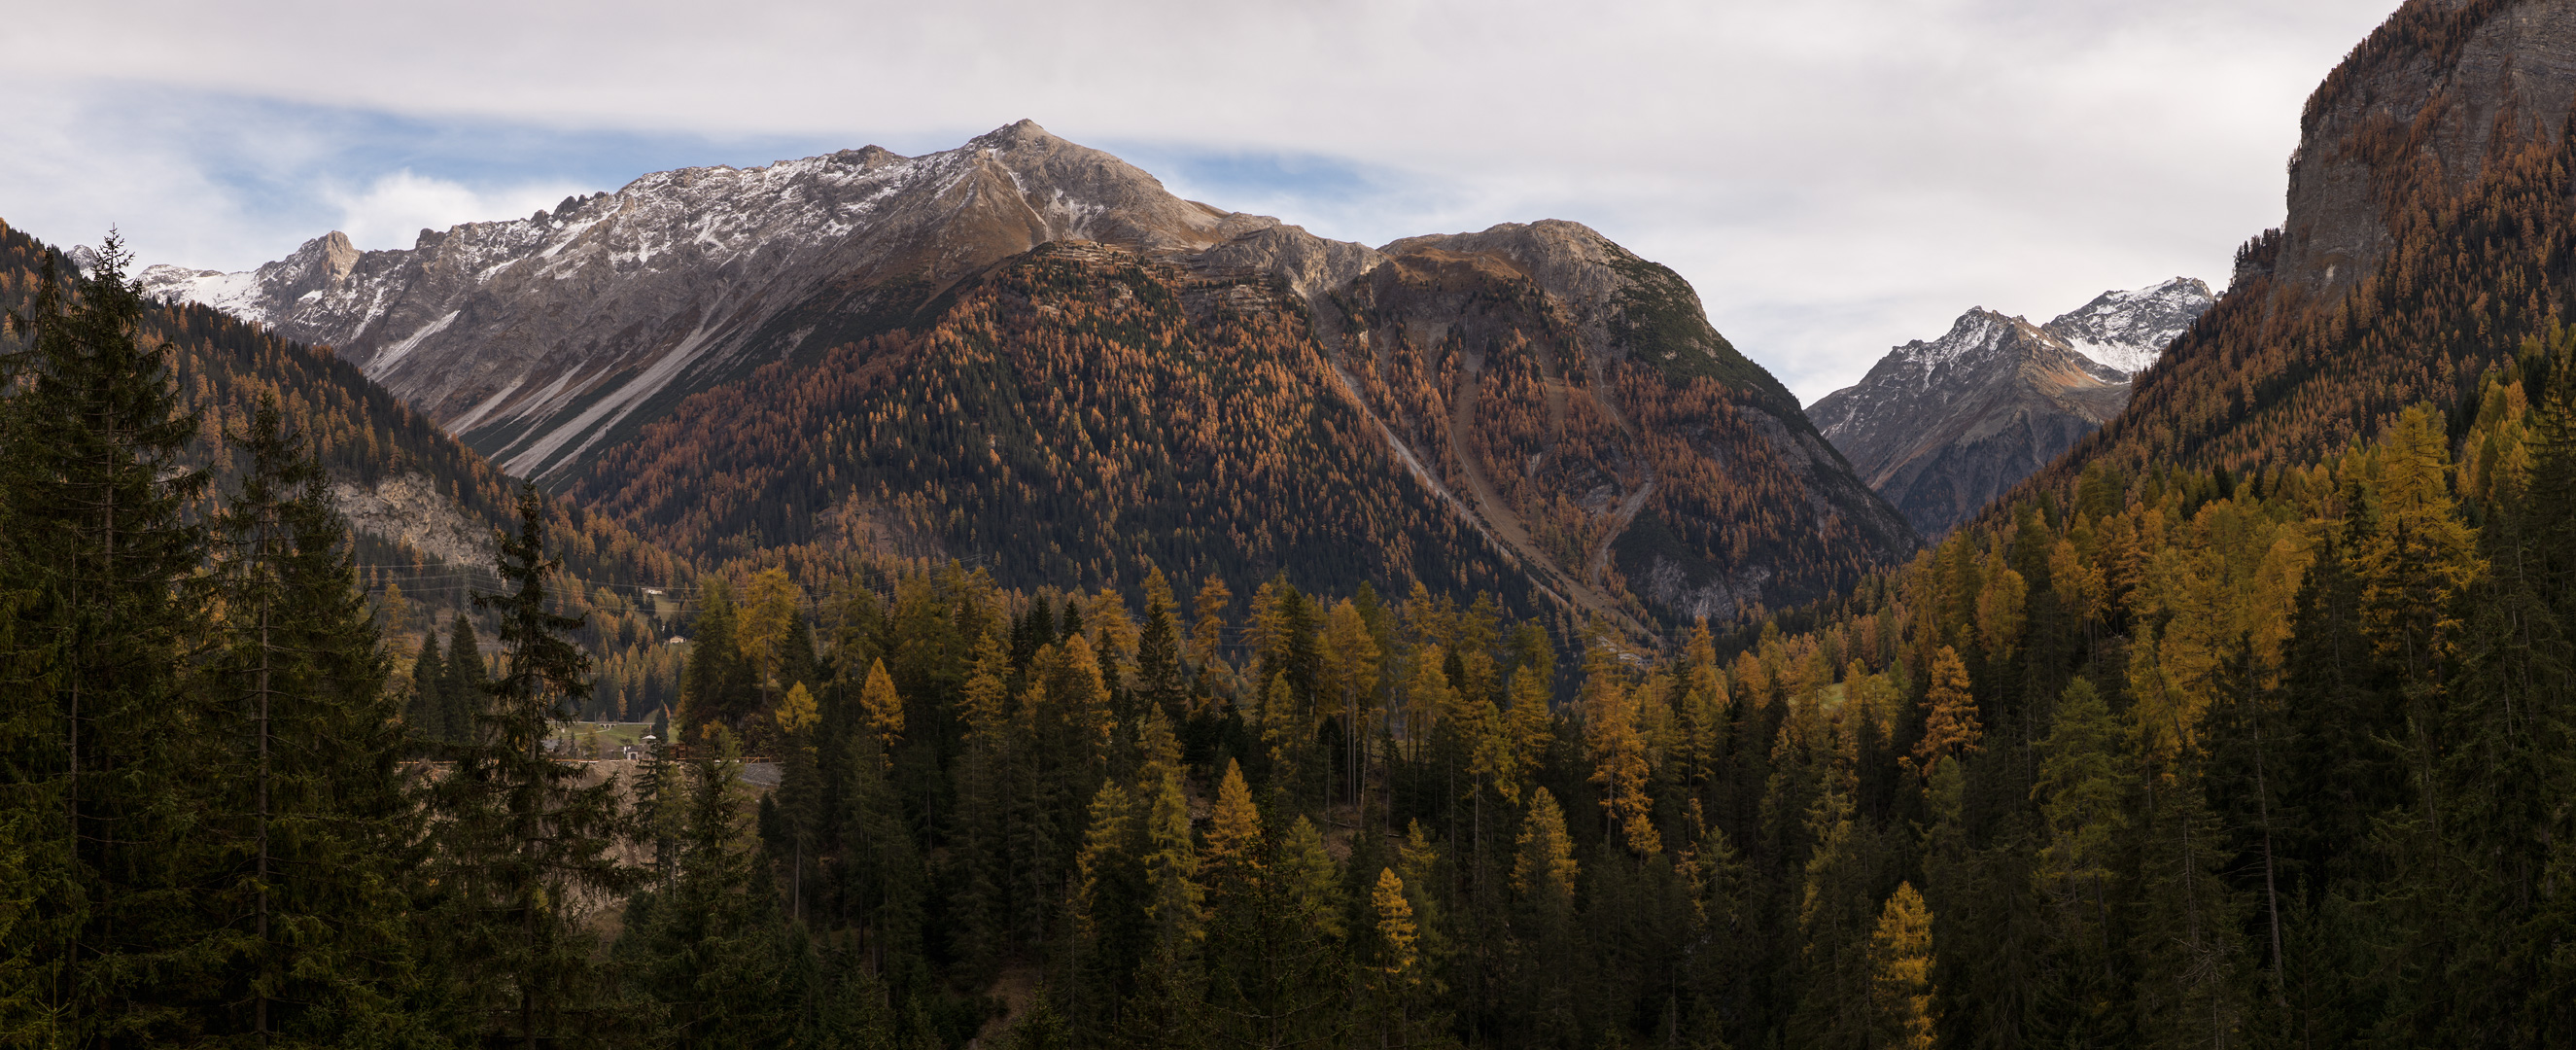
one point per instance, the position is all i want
(2128, 330)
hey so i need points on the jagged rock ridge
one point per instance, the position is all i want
(536, 339)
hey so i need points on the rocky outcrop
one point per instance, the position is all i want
(2410, 118)
(1940, 428)
(410, 511)
(2428, 223)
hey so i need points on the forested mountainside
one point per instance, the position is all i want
(1085, 413)
(914, 353)
(2174, 747)
(423, 507)
(2199, 757)
(1941, 428)
(2427, 235)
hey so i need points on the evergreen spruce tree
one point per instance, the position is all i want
(716, 687)
(521, 847)
(710, 951)
(303, 741)
(1158, 650)
(1835, 923)
(425, 717)
(468, 681)
(2086, 783)
(881, 872)
(96, 551)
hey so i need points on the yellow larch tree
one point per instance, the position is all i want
(1950, 725)
(883, 709)
(1617, 750)
(1543, 868)
(767, 615)
(1900, 988)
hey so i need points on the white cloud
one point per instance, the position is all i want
(1835, 176)
(391, 211)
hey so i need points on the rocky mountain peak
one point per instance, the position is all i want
(2127, 331)
(1939, 427)
(1019, 133)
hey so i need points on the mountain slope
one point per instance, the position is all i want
(2427, 235)
(1085, 409)
(1026, 351)
(1941, 428)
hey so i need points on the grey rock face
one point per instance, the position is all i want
(2514, 75)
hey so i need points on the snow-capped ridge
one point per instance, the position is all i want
(2129, 330)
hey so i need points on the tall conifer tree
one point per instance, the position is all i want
(304, 745)
(521, 845)
(98, 549)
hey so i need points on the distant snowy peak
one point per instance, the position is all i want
(1940, 427)
(261, 294)
(2128, 330)
(1976, 335)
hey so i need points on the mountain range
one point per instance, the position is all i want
(1029, 352)
(1941, 428)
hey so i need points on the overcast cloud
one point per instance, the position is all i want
(1834, 176)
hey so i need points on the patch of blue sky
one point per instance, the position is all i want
(238, 179)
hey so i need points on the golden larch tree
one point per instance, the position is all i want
(1950, 725)
(884, 709)
(1900, 987)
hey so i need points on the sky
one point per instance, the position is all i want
(1835, 177)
